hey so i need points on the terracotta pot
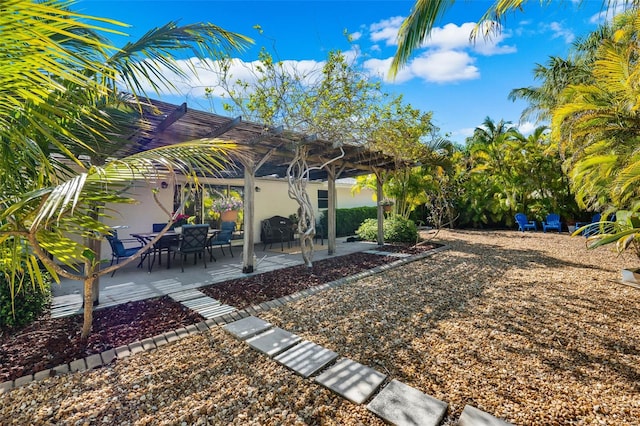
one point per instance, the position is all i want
(229, 216)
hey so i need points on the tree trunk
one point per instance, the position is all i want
(297, 174)
(379, 195)
(331, 211)
(90, 278)
(249, 210)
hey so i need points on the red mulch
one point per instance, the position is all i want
(49, 342)
(243, 292)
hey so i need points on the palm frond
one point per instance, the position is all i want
(110, 183)
(141, 61)
(415, 28)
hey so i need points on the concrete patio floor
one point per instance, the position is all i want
(132, 283)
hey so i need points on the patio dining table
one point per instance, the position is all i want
(164, 242)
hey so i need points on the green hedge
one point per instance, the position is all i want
(348, 220)
(396, 229)
(29, 302)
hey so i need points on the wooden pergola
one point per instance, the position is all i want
(267, 152)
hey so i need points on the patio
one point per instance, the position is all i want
(132, 283)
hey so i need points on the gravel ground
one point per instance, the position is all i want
(529, 327)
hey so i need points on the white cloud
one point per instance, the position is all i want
(444, 67)
(608, 14)
(558, 31)
(451, 36)
(434, 67)
(527, 128)
(465, 132)
(489, 46)
(355, 36)
(386, 30)
(380, 68)
(447, 54)
(448, 37)
(207, 76)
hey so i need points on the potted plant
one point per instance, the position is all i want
(180, 220)
(227, 207)
(387, 204)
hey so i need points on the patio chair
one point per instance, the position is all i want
(593, 228)
(524, 223)
(164, 244)
(193, 240)
(158, 227)
(552, 221)
(119, 251)
(222, 238)
(276, 229)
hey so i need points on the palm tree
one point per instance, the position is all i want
(61, 97)
(600, 124)
(556, 75)
(599, 121)
(490, 150)
(425, 13)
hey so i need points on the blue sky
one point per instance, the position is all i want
(460, 82)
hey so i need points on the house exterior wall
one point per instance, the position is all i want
(271, 199)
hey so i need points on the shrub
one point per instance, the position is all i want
(30, 301)
(348, 220)
(396, 229)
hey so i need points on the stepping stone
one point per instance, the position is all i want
(247, 327)
(402, 405)
(351, 380)
(306, 358)
(182, 296)
(273, 341)
(217, 311)
(471, 416)
(201, 302)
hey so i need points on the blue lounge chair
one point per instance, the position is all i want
(552, 221)
(524, 223)
(594, 227)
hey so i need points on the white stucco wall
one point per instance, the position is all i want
(273, 199)
(140, 216)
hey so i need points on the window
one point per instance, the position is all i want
(323, 199)
(200, 198)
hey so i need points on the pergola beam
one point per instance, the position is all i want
(174, 116)
(221, 130)
(271, 132)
